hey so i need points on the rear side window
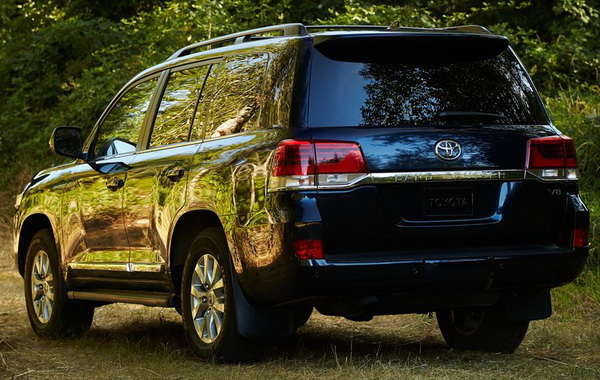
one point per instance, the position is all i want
(416, 93)
(232, 97)
(177, 106)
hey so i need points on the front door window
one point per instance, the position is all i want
(120, 130)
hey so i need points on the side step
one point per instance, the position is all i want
(125, 296)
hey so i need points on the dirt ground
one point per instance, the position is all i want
(137, 342)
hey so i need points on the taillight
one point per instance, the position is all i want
(580, 238)
(339, 157)
(309, 249)
(570, 157)
(552, 157)
(305, 164)
(293, 165)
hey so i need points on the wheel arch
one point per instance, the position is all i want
(187, 227)
(30, 226)
(251, 322)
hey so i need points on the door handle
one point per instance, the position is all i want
(115, 183)
(175, 175)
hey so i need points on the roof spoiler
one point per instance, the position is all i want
(411, 47)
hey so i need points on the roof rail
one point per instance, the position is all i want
(346, 27)
(288, 30)
(395, 26)
(297, 29)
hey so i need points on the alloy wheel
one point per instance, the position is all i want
(207, 301)
(42, 287)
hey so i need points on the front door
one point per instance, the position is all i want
(96, 242)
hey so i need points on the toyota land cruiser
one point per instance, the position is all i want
(358, 170)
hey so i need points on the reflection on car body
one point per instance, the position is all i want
(358, 172)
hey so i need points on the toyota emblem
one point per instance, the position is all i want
(448, 150)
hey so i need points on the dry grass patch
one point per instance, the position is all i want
(136, 342)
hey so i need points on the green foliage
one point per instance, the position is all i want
(577, 114)
(62, 60)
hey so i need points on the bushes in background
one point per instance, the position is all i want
(61, 61)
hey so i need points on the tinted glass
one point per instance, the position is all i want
(231, 99)
(176, 110)
(408, 94)
(120, 130)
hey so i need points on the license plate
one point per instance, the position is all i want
(448, 202)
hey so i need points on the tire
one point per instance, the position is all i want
(302, 315)
(51, 313)
(207, 303)
(481, 329)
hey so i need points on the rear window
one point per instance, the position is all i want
(419, 93)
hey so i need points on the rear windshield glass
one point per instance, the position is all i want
(488, 91)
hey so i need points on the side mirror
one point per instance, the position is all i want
(67, 141)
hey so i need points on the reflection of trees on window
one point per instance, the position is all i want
(412, 94)
(232, 97)
(124, 121)
(279, 83)
(173, 121)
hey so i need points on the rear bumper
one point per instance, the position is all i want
(507, 272)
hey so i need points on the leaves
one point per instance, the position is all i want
(62, 61)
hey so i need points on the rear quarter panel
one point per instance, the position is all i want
(228, 176)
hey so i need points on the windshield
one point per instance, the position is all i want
(488, 91)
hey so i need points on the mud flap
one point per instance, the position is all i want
(528, 306)
(261, 323)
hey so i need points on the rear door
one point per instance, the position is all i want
(157, 180)
(445, 139)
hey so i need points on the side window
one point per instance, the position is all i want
(232, 97)
(176, 110)
(120, 130)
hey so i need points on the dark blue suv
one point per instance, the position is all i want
(360, 171)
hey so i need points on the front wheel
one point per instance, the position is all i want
(481, 329)
(208, 308)
(50, 313)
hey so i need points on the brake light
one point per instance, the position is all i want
(580, 238)
(552, 157)
(309, 249)
(305, 164)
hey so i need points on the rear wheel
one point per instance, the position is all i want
(481, 329)
(50, 313)
(302, 315)
(207, 303)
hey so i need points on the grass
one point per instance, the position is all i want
(137, 342)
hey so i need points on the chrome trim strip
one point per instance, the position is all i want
(416, 177)
(118, 267)
(441, 176)
(121, 267)
(148, 268)
(431, 176)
